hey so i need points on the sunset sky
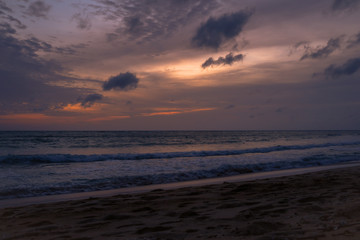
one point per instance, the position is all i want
(179, 64)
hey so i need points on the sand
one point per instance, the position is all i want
(318, 205)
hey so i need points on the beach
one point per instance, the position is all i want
(317, 205)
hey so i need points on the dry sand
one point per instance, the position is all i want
(319, 205)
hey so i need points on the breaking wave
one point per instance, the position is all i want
(70, 158)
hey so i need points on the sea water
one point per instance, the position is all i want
(45, 163)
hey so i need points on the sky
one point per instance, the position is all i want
(179, 64)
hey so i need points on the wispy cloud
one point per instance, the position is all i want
(354, 41)
(322, 52)
(90, 99)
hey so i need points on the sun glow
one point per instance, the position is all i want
(172, 111)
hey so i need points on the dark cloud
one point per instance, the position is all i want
(18, 23)
(229, 59)
(6, 28)
(240, 44)
(79, 45)
(339, 5)
(124, 82)
(29, 46)
(82, 20)
(38, 9)
(354, 41)
(6, 15)
(230, 106)
(90, 99)
(145, 20)
(4, 7)
(280, 110)
(215, 31)
(348, 68)
(37, 45)
(111, 37)
(322, 52)
(26, 78)
(134, 25)
(304, 44)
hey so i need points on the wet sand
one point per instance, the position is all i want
(318, 205)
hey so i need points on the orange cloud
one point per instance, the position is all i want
(33, 117)
(27, 116)
(159, 113)
(78, 108)
(107, 118)
(73, 107)
(172, 111)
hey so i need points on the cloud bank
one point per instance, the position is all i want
(123, 82)
(216, 31)
(228, 60)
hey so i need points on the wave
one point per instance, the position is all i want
(69, 158)
(107, 183)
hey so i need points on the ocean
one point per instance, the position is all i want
(49, 162)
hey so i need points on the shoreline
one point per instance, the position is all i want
(314, 205)
(19, 202)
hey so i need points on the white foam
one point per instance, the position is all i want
(141, 189)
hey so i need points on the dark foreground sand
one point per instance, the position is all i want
(320, 205)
